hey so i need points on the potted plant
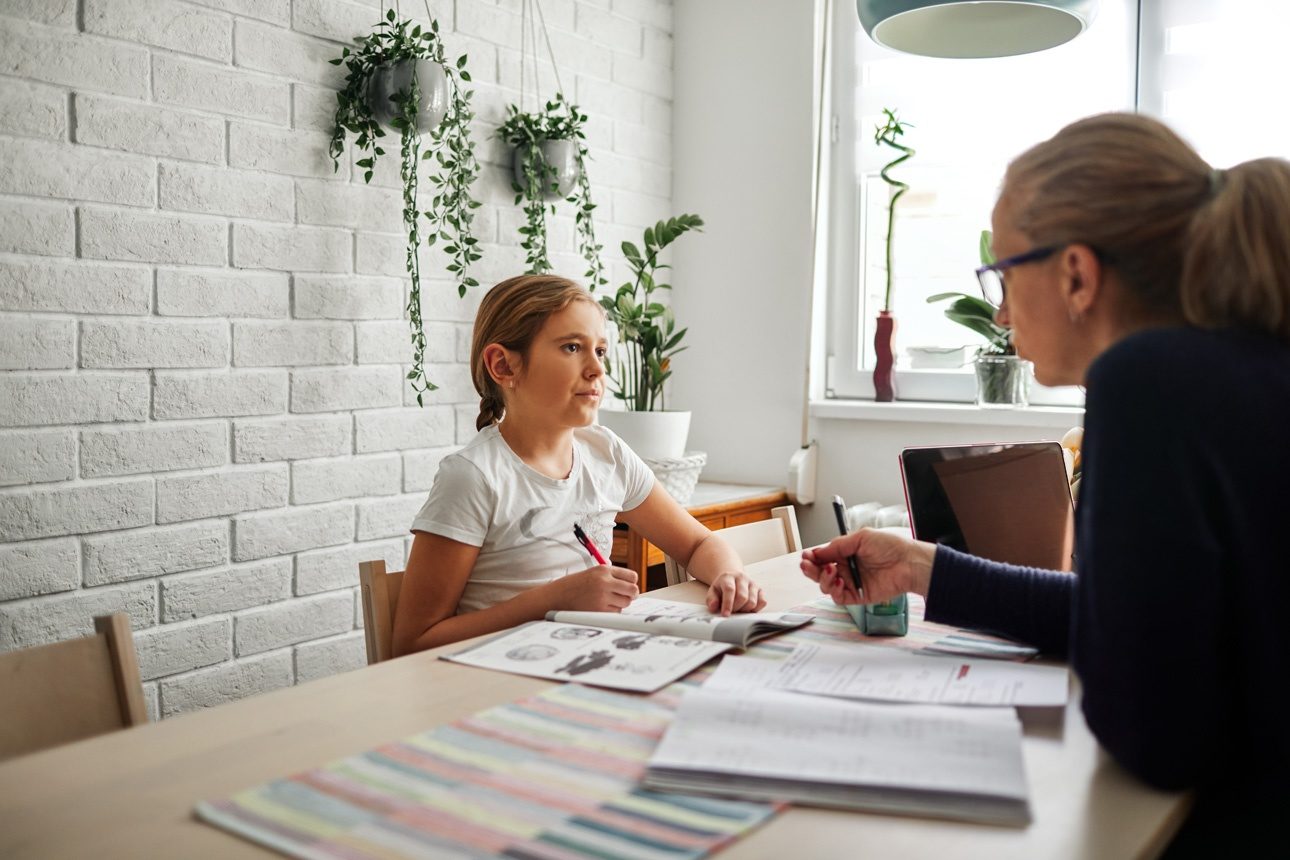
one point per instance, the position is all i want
(647, 341)
(884, 353)
(549, 164)
(1002, 377)
(398, 76)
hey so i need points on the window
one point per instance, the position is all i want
(1201, 66)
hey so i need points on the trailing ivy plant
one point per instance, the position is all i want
(647, 335)
(559, 120)
(451, 213)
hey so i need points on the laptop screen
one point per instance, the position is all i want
(1006, 502)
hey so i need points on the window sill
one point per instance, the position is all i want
(1051, 417)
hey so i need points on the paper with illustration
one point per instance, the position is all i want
(691, 620)
(621, 659)
(886, 674)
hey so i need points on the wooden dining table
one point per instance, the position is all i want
(130, 794)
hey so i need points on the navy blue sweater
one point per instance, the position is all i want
(1175, 620)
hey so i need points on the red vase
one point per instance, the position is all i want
(884, 369)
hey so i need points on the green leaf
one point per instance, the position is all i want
(986, 249)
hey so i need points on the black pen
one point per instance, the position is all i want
(840, 511)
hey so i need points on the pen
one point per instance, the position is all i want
(586, 542)
(840, 511)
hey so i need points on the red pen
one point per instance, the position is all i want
(586, 542)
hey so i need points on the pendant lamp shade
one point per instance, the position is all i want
(972, 29)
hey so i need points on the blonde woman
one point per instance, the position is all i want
(494, 543)
(1129, 265)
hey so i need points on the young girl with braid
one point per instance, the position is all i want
(494, 543)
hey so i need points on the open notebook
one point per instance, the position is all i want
(643, 648)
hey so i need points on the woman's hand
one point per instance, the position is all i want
(890, 565)
(597, 589)
(735, 592)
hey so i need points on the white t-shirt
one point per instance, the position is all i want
(484, 495)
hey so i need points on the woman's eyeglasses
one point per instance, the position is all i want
(991, 277)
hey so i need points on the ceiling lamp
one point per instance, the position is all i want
(971, 29)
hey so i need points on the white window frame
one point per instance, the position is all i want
(845, 376)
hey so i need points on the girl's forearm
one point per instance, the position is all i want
(531, 605)
(712, 558)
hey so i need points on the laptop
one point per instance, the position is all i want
(1007, 502)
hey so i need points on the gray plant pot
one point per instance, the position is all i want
(1002, 381)
(562, 156)
(432, 87)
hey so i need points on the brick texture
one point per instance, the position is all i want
(204, 416)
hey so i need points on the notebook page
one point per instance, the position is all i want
(774, 735)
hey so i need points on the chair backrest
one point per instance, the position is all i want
(66, 691)
(753, 542)
(380, 592)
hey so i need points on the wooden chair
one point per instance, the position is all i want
(753, 542)
(380, 599)
(66, 691)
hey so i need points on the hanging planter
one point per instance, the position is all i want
(398, 77)
(433, 92)
(553, 166)
(550, 164)
(550, 158)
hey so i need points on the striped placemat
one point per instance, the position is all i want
(552, 777)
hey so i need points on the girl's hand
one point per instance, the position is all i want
(735, 592)
(597, 589)
(890, 565)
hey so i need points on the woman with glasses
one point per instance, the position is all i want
(1128, 265)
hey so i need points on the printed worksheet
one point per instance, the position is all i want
(885, 674)
(621, 659)
(650, 615)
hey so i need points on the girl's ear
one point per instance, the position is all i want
(502, 364)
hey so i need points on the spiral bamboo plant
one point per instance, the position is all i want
(451, 213)
(560, 120)
(886, 134)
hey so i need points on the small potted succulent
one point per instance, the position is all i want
(398, 76)
(647, 340)
(1002, 377)
(550, 164)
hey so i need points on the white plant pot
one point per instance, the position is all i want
(652, 435)
(432, 92)
(562, 157)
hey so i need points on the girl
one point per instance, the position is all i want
(494, 543)
(1127, 264)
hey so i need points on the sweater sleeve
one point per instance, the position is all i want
(1024, 603)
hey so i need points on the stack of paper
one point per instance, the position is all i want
(962, 763)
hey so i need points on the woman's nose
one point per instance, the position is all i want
(1001, 316)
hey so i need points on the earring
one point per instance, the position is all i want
(1076, 317)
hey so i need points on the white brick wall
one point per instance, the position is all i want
(203, 414)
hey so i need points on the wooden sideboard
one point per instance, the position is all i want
(715, 505)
